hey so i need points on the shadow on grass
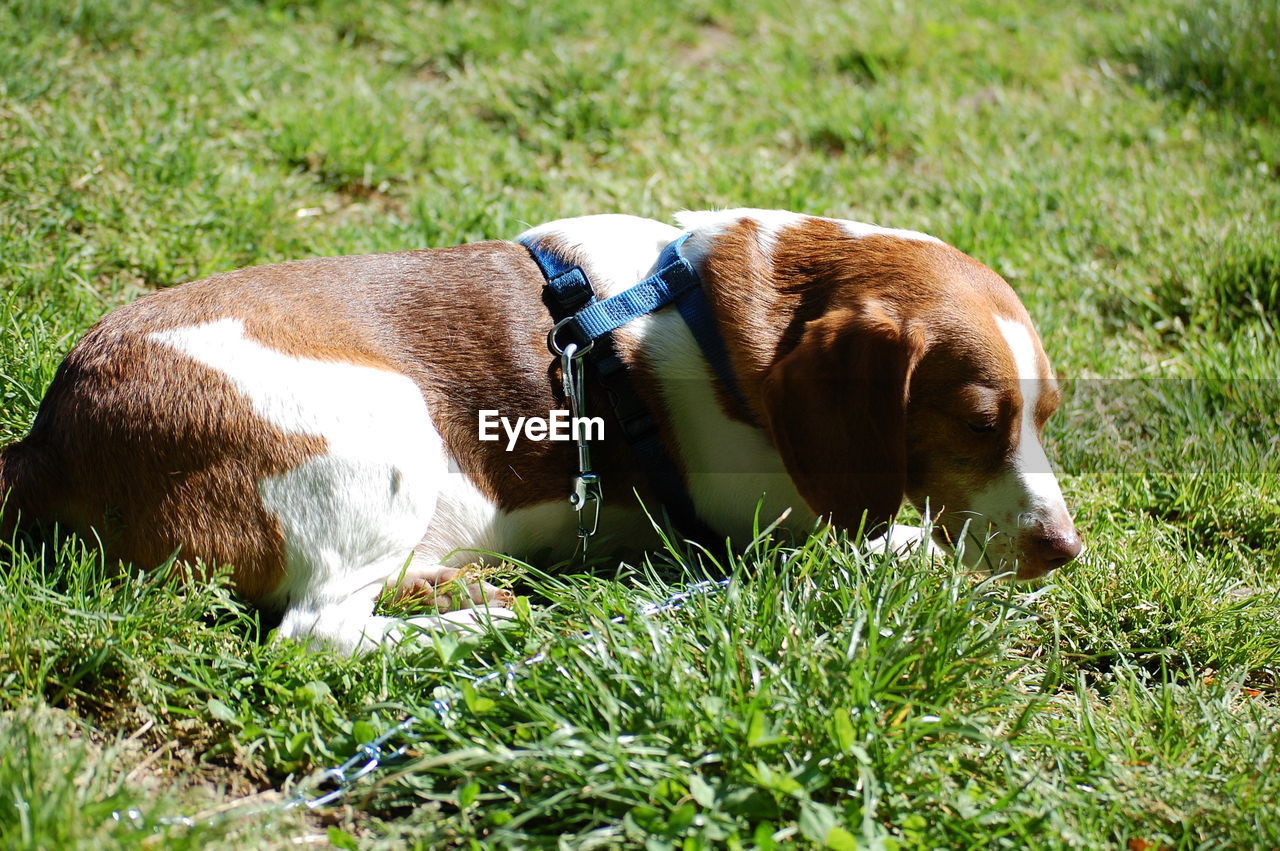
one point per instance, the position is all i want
(1223, 52)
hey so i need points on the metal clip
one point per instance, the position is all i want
(586, 484)
(586, 490)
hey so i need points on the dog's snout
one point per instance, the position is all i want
(1057, 548)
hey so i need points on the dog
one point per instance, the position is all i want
(314, 425)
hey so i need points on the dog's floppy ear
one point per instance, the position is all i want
(836, 408)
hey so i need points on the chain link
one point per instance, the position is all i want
(379, 753)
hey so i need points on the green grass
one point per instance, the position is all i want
(1224, 53)
(1118, 163)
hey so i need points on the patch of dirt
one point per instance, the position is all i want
(712, 40)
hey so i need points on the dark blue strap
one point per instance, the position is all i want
(567, 289)
(675, 281)
(696, 312)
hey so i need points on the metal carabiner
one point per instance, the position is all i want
(586, 484)
(587, 491)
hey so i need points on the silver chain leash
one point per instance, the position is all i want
(379, 753)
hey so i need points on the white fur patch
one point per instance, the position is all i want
(1031, 462)
(706, 225)
(349, 515)
(860, 229)
(352, 517)
(620, 250)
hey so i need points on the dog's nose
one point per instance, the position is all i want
(1058, 548)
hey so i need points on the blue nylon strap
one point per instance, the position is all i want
(567, 287)
(674, 278)
(675, 281)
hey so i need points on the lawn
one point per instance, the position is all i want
(1118, 163)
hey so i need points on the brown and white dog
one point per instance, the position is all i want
(314, 424)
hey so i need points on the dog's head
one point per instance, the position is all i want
(908, 370)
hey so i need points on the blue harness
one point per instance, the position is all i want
(587, 323)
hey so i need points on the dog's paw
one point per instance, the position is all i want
(901, 540)
(448, 589)
(471, 620)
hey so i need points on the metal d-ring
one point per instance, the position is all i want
(555, 347)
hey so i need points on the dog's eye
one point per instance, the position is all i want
(982, 428)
